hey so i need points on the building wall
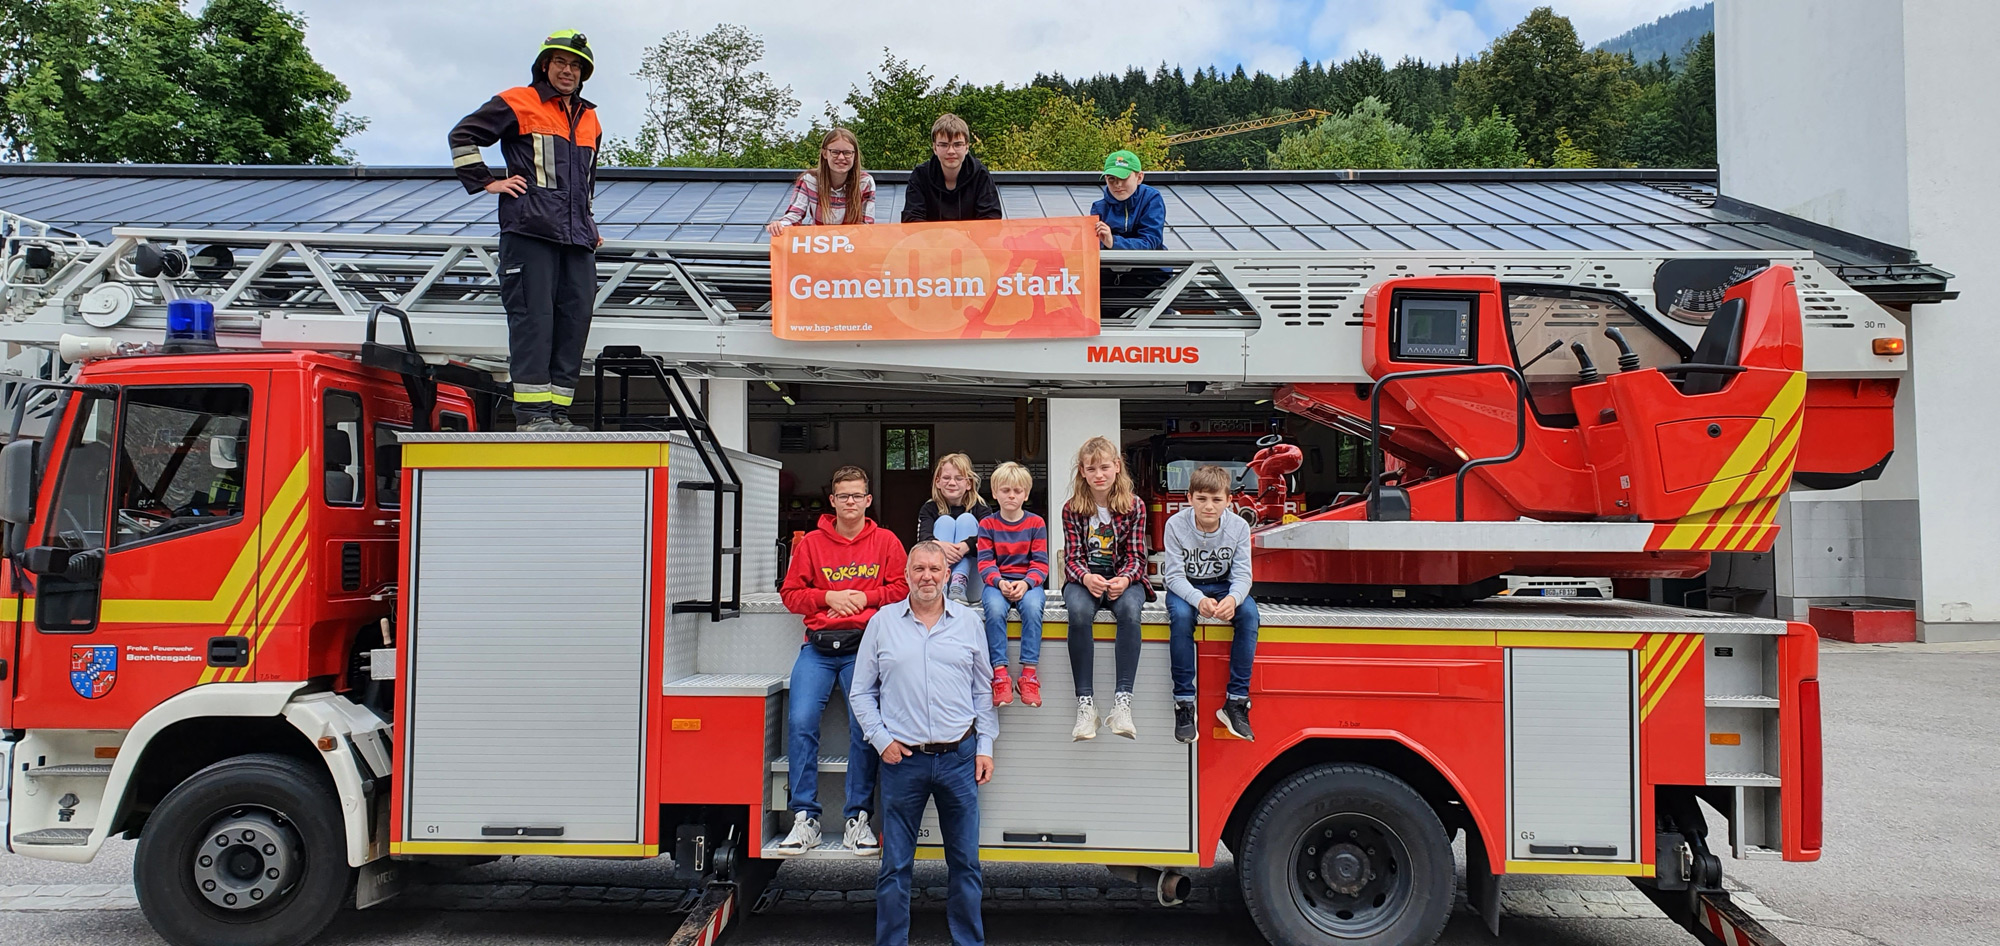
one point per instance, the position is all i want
(1871, 116)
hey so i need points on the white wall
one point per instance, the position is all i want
(728, 411)
(1072, 420)
(1875, 116)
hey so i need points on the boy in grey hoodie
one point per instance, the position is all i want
(1207, 573)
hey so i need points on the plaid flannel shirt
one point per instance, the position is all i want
(1130, 559)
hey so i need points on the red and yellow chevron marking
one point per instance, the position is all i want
(1738, 509)
(1662, 657)
(275, 555)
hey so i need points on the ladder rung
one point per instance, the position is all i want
(730, 550)
(712, 486)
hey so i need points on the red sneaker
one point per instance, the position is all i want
(1031, 687)
(1003, 688)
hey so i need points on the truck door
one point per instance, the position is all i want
(163, 479)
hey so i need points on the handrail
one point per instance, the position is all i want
(1375, 422)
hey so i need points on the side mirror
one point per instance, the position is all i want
(67, 564)
(222, 452)
(17, 482)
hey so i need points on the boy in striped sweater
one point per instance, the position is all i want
(1014, 573)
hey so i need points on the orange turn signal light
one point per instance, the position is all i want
(1725, 739)
(1888, 346)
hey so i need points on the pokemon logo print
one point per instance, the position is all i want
(850, 572)
(93, 669)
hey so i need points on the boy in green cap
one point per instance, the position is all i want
(1130, 215)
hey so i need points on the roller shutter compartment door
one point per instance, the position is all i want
(527, 693)
(1570, 755)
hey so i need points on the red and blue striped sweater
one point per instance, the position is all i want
(1014, 550)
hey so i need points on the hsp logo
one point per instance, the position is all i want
(850, 572)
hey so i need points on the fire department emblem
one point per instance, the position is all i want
(93, 668)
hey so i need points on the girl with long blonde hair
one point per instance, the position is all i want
(952, 516)
(838, 192)
(1104, 566)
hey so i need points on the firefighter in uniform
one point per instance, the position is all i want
(549, 136)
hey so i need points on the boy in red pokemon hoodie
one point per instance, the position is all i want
(840, 575)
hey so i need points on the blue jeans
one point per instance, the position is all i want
(997, 606)
(814, 675)
(1082, 606)
(1180, 641)
(960, 528)
(906, 786)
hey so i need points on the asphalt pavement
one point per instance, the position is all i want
(1913, 859)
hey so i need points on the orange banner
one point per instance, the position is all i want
(963, 279)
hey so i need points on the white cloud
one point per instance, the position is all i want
(1393, 29)
(414, 68)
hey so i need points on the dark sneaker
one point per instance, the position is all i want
(562, 420)
(539, 424)
(1184, 729)
(1235, 717)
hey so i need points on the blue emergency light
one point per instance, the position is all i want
(190, 325)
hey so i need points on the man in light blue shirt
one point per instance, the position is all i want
(923, 694)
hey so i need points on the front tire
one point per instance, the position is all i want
(1346, 854)
(250, 851)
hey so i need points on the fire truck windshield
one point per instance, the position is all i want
(1178, 472)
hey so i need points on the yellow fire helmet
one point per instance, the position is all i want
(569, 41)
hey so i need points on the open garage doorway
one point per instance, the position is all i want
(897, 434)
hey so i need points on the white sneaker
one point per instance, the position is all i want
(1121, 716)
(804, 836)
(1086, 720)
(858, 839)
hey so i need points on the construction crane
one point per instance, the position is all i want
(1233, 128)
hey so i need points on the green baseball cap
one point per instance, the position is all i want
(1121, 164)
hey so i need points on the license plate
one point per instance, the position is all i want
(1558, 592)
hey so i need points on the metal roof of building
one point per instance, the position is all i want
(1583, 210)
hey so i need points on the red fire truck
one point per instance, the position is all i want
(281, 622)
(1161, 464)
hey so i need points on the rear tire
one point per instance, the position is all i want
(1346, 854)
(262, 832)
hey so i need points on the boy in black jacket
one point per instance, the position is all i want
(952, 185)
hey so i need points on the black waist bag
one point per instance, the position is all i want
(835, 643)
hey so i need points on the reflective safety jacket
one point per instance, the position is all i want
(552, 147)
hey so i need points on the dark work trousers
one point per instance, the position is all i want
(548, 289)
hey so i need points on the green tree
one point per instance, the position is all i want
(1539, 75)
(141, 80)
(706, 102)
(1569, 155)
(1672, 121)
(1069, 135)
(1363, 138)
(1491, 142)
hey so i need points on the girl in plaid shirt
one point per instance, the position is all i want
(814, 205)
(1104, 565)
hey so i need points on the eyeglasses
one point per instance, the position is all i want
(850, 497)
(832, 153)
(959, 145)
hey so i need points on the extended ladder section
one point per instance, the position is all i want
(1225, 317)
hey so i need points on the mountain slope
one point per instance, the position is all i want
(1666, 36)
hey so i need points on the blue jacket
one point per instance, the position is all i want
(1137, 223)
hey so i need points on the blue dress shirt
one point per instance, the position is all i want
(915, 684)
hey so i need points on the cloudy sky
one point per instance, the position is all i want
(414, 68)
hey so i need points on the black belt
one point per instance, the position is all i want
(942, 748)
